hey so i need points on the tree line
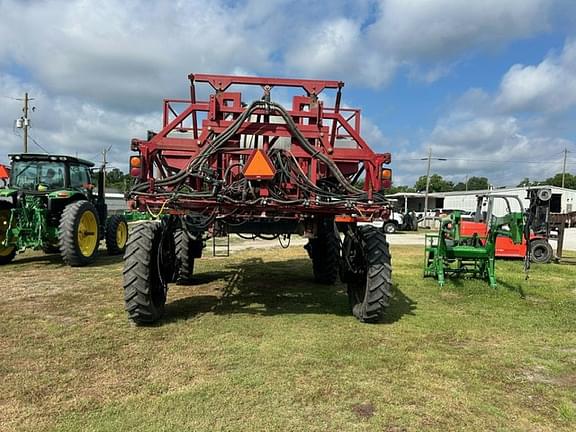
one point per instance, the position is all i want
(116, 179)
(439, 184)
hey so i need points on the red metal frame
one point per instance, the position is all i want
(190, 125)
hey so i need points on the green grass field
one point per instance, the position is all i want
(256, 345)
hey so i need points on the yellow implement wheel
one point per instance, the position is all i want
(122, 235)
(79, 233)
(7, 253)
(87, 232)
(116, 234)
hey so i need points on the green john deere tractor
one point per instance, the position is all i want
(49, 204)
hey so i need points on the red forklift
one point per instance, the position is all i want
(537, 248)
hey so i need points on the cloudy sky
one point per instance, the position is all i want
(490, 84)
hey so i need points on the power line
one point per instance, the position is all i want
(479, 160)
(37, 144)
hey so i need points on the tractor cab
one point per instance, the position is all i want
(47, 173)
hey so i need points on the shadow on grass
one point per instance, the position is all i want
(400, 305)
(102, 259)
(256, 287)
(511, 287)
(461, 282)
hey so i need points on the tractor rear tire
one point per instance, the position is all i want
(187, 250)
(8, 253)
(144, 292)
(325, 253)
(116, 234)
(79, 233)
(540, 251)
(369, 294)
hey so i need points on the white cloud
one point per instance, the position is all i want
(65, 125)
(529, 118)
(549, 86)
(502, 147)
(439, 29)
(426, 36)
(130, 54)
(99, 73)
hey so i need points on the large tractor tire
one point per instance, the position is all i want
(187, 250)
(116, 234)
(144, 290)
(540, 251)
(324, 250)
(79, 233)
(369, 292)
(7, 253)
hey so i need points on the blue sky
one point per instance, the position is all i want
(490, 85)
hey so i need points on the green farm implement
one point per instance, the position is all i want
(450, 253)
(50, 204)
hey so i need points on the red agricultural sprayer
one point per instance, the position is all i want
(227, 165)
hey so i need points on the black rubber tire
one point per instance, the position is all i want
(187, 250)
(540, 251)
(8, 254)
(144, 293)
(369, 295)
(114, 223)
(325, 253)
(68, 233)
(389, 228)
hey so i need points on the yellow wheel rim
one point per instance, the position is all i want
(121, 235)
(4, 221)
(87, 233)
(5, 251)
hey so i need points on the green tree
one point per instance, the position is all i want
(526, 182)
(114, 176)
(569, 181)
(437, 184)
(116, 179)
(401, 188)
(478, 183)
(460, 186)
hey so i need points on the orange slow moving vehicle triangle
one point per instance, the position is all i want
(259, 167)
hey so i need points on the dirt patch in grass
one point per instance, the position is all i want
(364, 411)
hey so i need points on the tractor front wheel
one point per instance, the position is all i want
(116, 234)
(79, 233)
(144, 289)
(370, 285)
(7, 253)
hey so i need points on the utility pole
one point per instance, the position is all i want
(564, 165)
(427, 186)
(104, 162)
(429, 159)
(24, 122)
(466, 183)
